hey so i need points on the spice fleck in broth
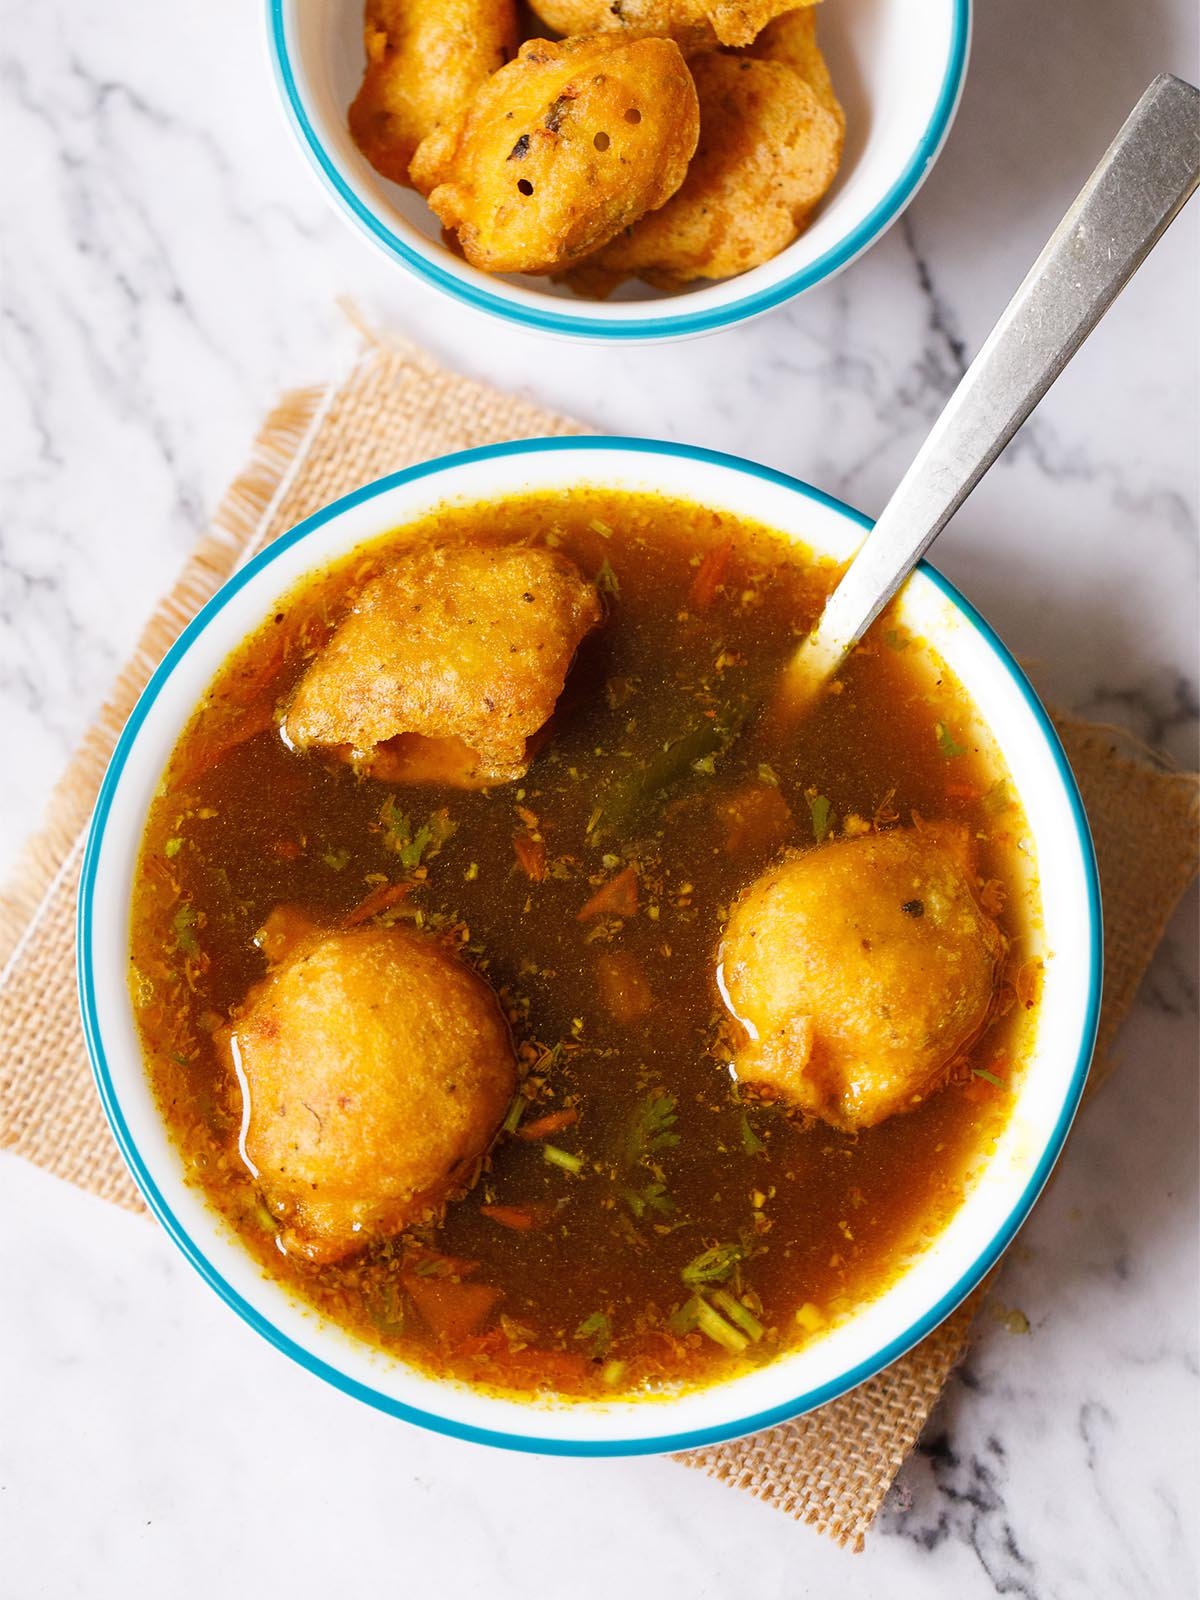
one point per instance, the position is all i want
(643, 1218)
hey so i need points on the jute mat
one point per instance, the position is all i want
(831, 1468)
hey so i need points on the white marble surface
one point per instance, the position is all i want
(167, 265)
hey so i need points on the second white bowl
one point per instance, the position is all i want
(898, 66)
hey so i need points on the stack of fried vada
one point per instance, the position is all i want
(668, 140)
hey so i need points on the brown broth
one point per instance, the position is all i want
(825, 1220)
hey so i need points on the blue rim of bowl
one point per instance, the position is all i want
(666, 1443)
(673, 325)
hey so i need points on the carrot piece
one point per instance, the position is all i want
(962, 791)
(553, 1122)
(623, 985)
(451, 1310)
(710, 575)
(616, 898)
(531, 853)
(755, 816)
(522, 1219)
(378, 900)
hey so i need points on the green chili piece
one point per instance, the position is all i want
(565, 1159)
(713, 1324)
(736, 1312)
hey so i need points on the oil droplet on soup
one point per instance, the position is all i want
(652, 1212)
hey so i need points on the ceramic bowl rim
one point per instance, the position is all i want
(666, 1442)
(670, 325)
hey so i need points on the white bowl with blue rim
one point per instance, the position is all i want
(930, 1286)
(898, 66)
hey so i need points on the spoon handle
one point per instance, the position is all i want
(1150, 170)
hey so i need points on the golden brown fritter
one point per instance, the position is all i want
(693, 24)
(738, 22)
(424, 59)
(768, 151)
(685, 21)
(792, 39)
(860, 972)
(463, 643)
(375, 1069)
(560, 150)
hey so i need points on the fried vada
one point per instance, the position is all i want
(693, 24)
(860, 972)
(424, 58)
(461, 645)
(768, 151)
(560, 150)
(374, 1068)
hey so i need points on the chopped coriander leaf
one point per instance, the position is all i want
(598, 1329)
(712, 1266)
(336, 859)
(895, 640)
(565, 1159)
(988, 1077)
(652, 1197)
(515, 1113)
(751, 1143)
(184, 925)
(412, 848)
(947, 743)
(651, 1128)
(173, 847)
(822, 819)
(767, 774)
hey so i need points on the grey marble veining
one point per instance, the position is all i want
(167, 265)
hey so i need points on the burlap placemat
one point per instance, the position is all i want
(831, 1468)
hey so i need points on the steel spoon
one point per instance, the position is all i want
(1148, 173)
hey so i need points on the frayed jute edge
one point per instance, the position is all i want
(278, 453)
(846, 1522)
